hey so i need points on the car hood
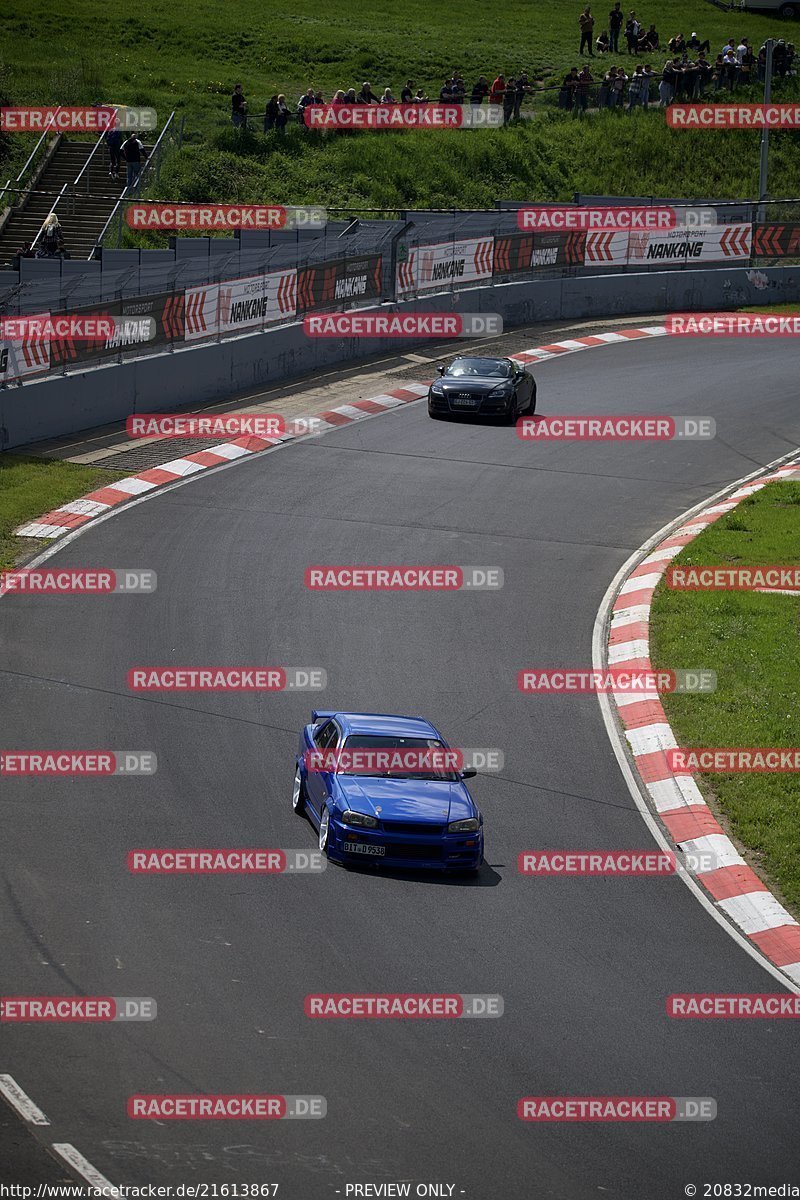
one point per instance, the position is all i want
(472, 385)
(432, 800)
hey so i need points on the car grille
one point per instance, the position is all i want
(430, 831)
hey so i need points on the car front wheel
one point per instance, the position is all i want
(298, 792)
(324, 830)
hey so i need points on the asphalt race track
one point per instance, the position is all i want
(584, 965)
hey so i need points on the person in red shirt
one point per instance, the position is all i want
(498, 90)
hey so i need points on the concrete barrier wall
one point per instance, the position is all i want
(187, 377)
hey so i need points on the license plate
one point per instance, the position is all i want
(364, 848)
(465, 401)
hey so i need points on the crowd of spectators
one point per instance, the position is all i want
(688, 73)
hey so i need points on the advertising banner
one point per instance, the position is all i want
(240, 304)
(442, 264)
(331, 285)
(527, 251)
(143, 321)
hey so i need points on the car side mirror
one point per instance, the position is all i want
(440, 370)
(468, 773)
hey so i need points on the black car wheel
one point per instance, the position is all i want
(513, 413)
(531, 408)
(788, 10)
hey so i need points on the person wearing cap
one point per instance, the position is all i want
(695, 45)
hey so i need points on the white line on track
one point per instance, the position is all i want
(22, 1104)
(617, 739)
(84, 1168)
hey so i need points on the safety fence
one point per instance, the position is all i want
(377, 262)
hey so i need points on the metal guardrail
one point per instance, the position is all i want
(152, 163)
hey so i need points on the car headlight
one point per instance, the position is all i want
(471, 825)
(354, 818)
(437, 390)
(500, 392)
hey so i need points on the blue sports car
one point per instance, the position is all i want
(383, 789)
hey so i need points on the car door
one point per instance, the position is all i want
(319, 783)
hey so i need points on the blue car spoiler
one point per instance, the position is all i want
(321, 714)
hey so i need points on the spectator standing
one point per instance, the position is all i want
(648, 74)
(632, 33)
(407, 93)
(509, 100)
(302, 104)
(498, 90)
(134, 154)
(459, 89)
(339, 97)
(779, 57)
(605, 94)
(524, 88)
(479, 91)
(635, 87)
(420, 97)
(616, 19)
(387, 97)
(730, 69)
(282, 114)
(446, 92)
(238, 108)
(666, 89)
(618, 98)
(366, 95)
(566, 95)
(703, 72)
(53, 238)
(747, 66)
(271, 113)
(585, 81)
(691, 78)
(113, 139)
(586, 25)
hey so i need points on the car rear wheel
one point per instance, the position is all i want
(324, 830)
(298, 792)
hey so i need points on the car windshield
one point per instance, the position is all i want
(479, 368)
(391, 757)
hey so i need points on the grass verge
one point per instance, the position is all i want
(32, 486)
(752, 641)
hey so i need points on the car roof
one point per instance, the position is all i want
(385, 723)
